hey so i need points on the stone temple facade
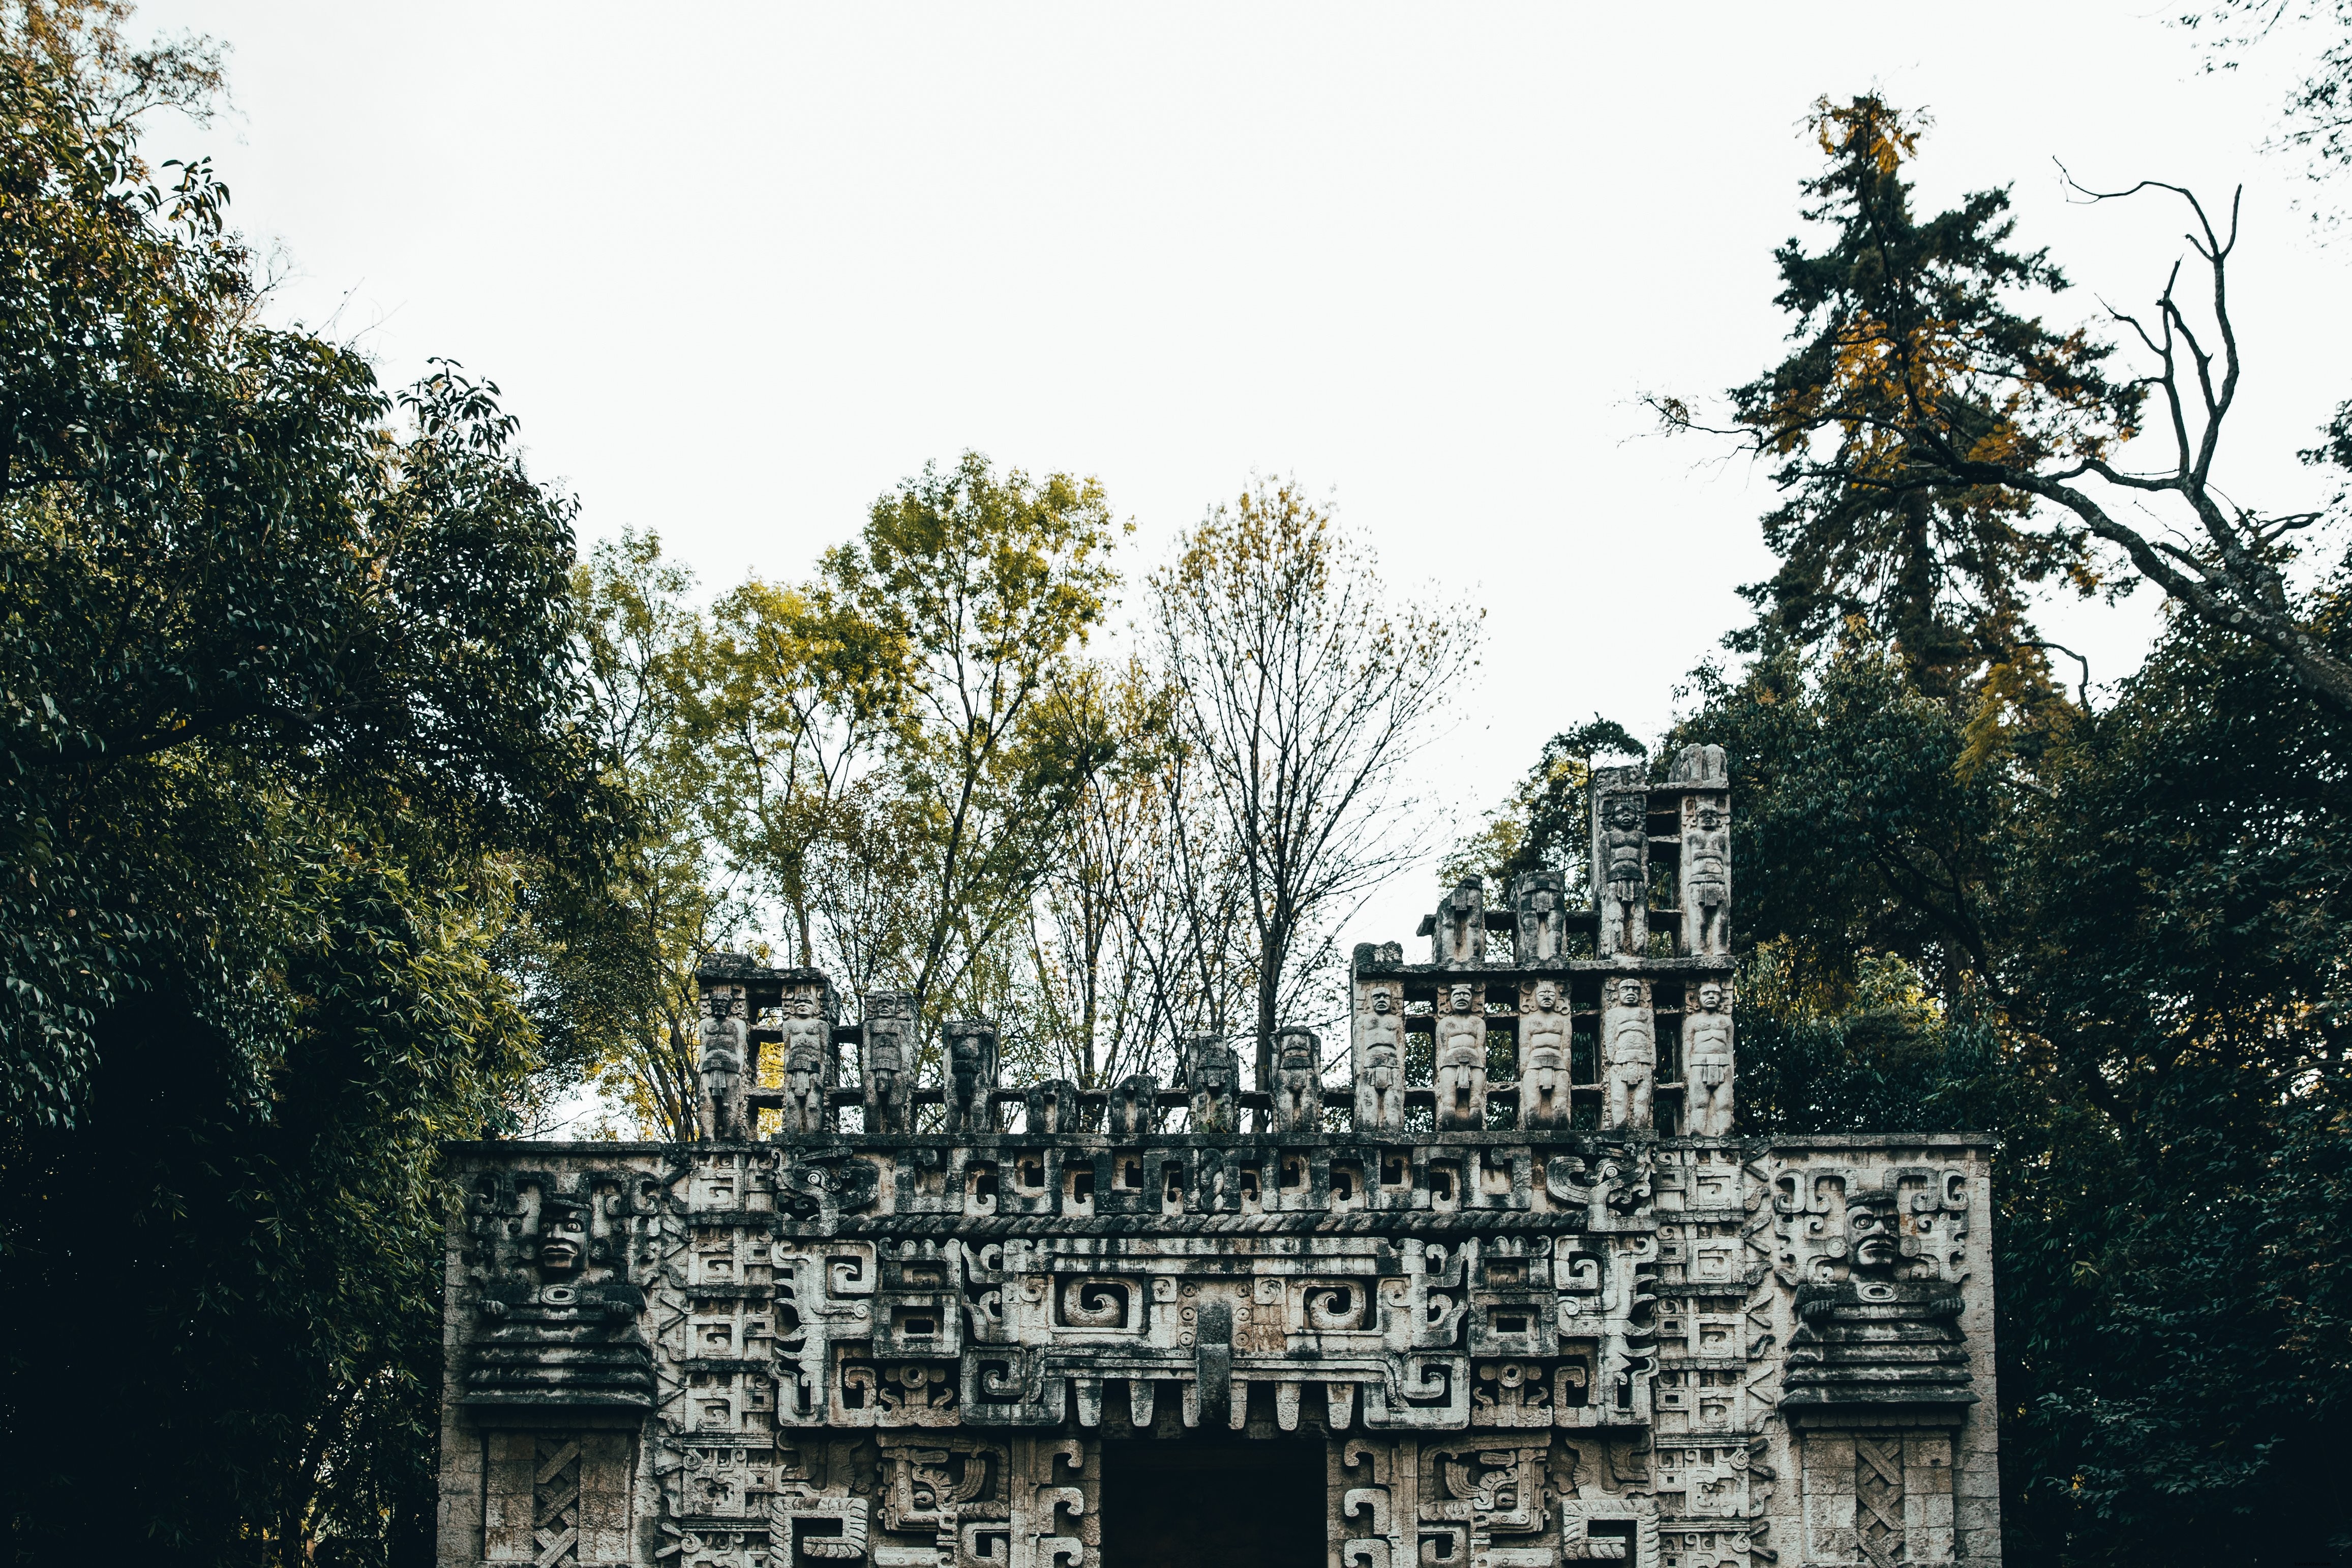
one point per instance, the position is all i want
(1514, 1295)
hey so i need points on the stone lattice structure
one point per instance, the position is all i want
(1533, 1307)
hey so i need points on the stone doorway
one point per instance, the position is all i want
(1232, 1503)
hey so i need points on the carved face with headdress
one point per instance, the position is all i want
(562, 1235)
(1873, 1243)
(1298, 1051)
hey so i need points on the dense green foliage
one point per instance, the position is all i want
(2119, 937)
(2126, 950)
(345, 813)
(290, 726)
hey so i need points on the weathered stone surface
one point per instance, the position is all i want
(1558, 1316)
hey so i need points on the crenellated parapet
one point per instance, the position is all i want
(1505, 1295)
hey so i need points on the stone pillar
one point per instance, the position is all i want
(1458, 933)
(1539, 910)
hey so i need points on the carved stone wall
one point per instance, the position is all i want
(1523, 1322)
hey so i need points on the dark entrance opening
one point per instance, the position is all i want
(1234, 1503)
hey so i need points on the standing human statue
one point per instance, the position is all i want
(1461, 1061)
(726, 1044)
(1379, 1064)
(1625, 872)
(1297, 1093)
(971, 1075)
(805, 1047)
(1629, 1044)
(1543, 1061)
(1708, 1064)
(1212, 1078)
(1706, 878)
(889, 1066)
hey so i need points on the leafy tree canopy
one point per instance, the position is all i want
(292, 730)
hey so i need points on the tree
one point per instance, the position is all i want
(2124, 949)
(2317, 118)
(987, 588)
(671, 901)
(1137, 937)
(1934, 443)
(1300, 692)
(2115, 939)
(289, 710)
(803, 689)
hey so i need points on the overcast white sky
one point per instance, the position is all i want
(740, 267)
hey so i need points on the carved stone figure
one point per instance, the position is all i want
(808, 1060)
(1629, 1050)
(1702, 764)
(1707, 1063)
(1052, 1108)
(1459, 927)
(1544, 1060)
(881, 1347)
(1298, 1090)
(562, 1328)
(1621, 854)
(971, 1074)
(1379, 1062)
(887, 1067)
(1213, 1077)
(1539, 902)
(1875, 1337)
(1706, 877)
(1460, 1068)
(1134, 1107)
(726, 1052)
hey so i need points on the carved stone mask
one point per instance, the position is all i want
(1871, 1241)
(1710, 819)
(1547, 997)
(563, 1239)
(1710, 998)
(1381, 1002)
(1459, 997)
(1624, 811)
(1629, 993)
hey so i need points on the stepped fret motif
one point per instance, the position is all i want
(1512, 1287)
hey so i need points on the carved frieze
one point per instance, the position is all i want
(1517, 1276)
